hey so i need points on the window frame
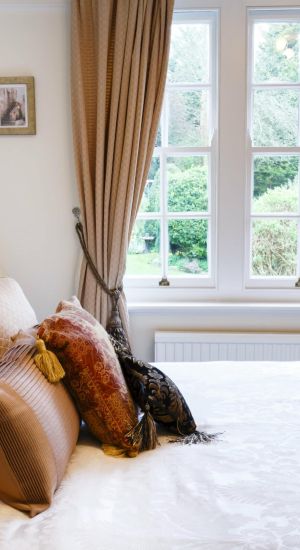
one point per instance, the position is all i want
(232, 174)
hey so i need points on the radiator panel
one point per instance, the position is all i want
(226, 346)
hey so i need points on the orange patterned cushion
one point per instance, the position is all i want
(93, 374)
(73, 305)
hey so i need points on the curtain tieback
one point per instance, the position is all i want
(114, 324)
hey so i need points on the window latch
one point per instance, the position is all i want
(297, 283)
(164, 282)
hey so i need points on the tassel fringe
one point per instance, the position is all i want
(48, 363)
(143, 436)
(195, 438)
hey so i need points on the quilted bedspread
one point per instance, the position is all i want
(241, 492)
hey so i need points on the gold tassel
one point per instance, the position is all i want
(48, 363)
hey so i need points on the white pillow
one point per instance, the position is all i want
(16, 312)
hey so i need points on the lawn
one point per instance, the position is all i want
(143, 264)
(149, 264)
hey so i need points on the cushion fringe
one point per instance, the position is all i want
(195, 438)
(143, 436)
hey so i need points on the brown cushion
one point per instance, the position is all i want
(39, 428)
(93, 373)
(15, 312)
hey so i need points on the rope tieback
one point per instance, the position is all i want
(115, 323)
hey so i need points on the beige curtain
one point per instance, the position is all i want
(119, 63)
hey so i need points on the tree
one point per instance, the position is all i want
(273, 60)
(275, 111)
(271, 172)
(188, 60)
(187, 185)
(274, 242)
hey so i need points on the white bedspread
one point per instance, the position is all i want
(240, 493)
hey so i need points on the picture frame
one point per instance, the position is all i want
(17, 105)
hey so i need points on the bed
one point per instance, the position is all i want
(238, 493)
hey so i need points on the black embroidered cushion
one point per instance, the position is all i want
(149, 385)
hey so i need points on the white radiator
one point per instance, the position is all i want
(226, 346)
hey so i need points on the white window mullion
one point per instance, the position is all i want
(275, 215)
(188, 215)
(164, 208)
(249, 159)
(298, 250)
(185, 151)
(248, 205)
(275, 14)
(231, 177)
(163, 187)
(185, 87)
(276, 85)
(212, 209)
(272, 151)
(213, 159)
(298, 226)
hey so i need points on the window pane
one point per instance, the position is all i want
(189, 53)
(276, 52)
(188, 118)
(275, 118)
(275, 184)
(274, 247)
(143, 256)
(188, 247)
(187, 184)
(151, 197)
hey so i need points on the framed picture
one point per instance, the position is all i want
(17, 105)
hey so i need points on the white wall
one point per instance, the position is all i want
(38, 245)
(232, 316)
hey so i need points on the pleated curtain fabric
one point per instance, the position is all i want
(120, 54)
